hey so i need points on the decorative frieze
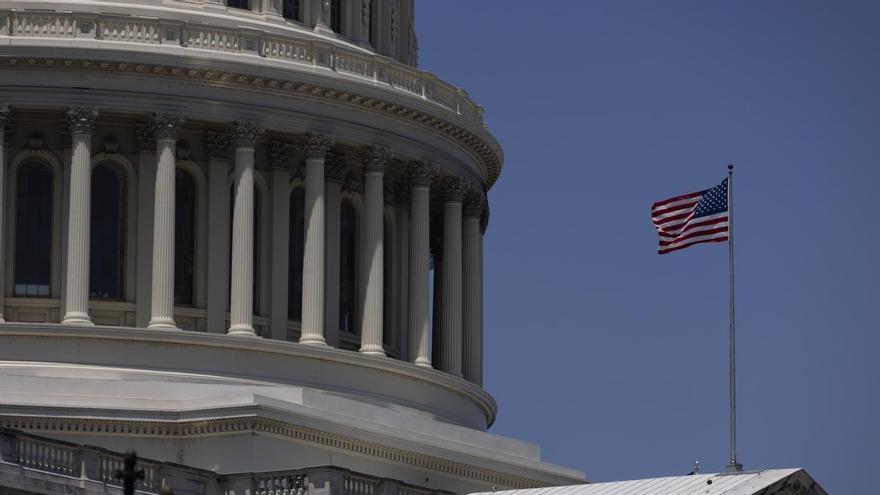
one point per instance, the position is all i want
(280, 154)
(335, 169)
(145, 138)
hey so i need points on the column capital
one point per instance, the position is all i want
(316, 145)
(375, 158)
(4, 116)
(280, 154)
(217, 144)
(166, 126)
(335, 169)
(473, 204)
(81, 120)
(420, 174)
(454, 189)
(244, 134)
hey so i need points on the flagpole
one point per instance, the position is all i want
(733, 466)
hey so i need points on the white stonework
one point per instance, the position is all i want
(215, 119)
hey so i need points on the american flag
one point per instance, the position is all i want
(690, 219)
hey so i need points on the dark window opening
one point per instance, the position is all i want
(347, 266)
(107, 253)
(291, 10)
(33, 234)
(296, 251)
(239, 4)
(336, 15)
(184, 238)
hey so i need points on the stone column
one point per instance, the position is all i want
(335, 175)
(316, 147)
(419, 261)
(145, 197)
(4, 119)
(279, 154)
(244, 137)
(472, 300)
(165, 129)
(80, 121)
(450, 313)
(374, 158)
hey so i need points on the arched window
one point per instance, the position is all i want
(291, 10)
(107, 251)
(296, 249)
(239, 4)
(387, 284)
(33, 230)
(184, 238)
(336, 15)
(347, 267)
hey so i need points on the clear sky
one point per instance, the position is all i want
(614, 359)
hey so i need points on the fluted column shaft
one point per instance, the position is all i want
(419, 263)
(450, 313)
(374, 202)
(241, 306)
(4, 119)
(166, 127)
(313, 262)
(76, 305)
(472, 300)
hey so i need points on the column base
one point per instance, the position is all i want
(313, 340)
(242, 331)
(77, 318)
(424, 363)
(373, 350)
(162, 324)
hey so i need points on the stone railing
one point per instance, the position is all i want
(280, 46)
(92, 470)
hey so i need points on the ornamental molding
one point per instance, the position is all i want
(281, 154)
(81, 120)
(476, 144)
(335, 168)
(217, 144)
(145, 138)
(263, 426)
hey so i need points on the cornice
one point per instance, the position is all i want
(254, 424)
(250, 80)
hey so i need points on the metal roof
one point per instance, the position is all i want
(765, 482)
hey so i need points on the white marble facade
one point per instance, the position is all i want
(260, 209)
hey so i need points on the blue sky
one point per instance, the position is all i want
(613, 358)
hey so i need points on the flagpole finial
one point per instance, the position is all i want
(730, 166)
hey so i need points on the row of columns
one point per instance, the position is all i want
(461, 284)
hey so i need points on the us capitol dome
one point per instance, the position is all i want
(245, 240)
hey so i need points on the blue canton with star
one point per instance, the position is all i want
(714, 201)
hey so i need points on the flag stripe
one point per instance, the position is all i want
(690, 219)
